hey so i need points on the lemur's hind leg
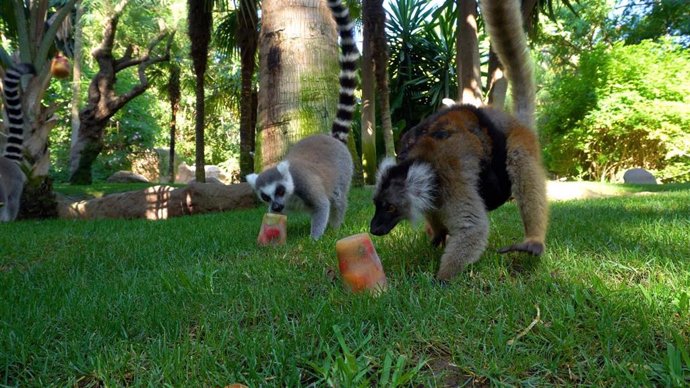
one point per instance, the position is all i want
(338, 208)
(319, 217)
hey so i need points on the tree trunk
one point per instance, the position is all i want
(199, 142)
(470, 85)
(373, 10)
(200, 19)
(248, 40)
(103, 102)
(368, 134)
(174, 97)
(35, 39)
(298, 62)
(76, 71)
(496, 82)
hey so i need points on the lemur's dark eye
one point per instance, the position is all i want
(391, 209)
(440, 134)
(280, 191)
(265, 198)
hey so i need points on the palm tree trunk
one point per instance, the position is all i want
(470, 85)
(200, 19)
(368, 105)
(496, 82)
(298, 61)
(76, 71)
(375, 20)
(248, 41)
(174, 98)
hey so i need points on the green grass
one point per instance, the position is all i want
(192, 301)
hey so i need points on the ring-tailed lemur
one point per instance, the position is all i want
(317, 170)
(12, 177)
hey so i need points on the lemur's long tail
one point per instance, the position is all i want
(348, 67)
(13, 107)
(504, 23)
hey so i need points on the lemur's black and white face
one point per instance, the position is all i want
(273, 186)
(403, 191)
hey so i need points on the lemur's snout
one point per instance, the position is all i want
(277, 208)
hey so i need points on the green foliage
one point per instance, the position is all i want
(422, 72)
(656, 19)
(622, 108)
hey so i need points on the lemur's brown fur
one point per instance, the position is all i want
(456, 145)
(483, 155)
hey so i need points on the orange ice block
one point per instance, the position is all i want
(273, 229)
(359, 263)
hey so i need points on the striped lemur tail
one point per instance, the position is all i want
(505, 26)
(348, 66)
(13, 107)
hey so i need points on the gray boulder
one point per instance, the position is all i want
(127, 177)
(639, 176)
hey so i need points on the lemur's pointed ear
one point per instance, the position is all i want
(283, 167)
(251, 179)
(385, 165)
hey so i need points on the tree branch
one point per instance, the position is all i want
(39, 10)
(22, 31)
(144, 62)
(118, 64)
(109, 32)
(126, 60)
(49, 36)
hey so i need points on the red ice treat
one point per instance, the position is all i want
(273, 230)
(59, 67)
(359, 263)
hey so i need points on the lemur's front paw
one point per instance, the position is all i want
(535, 248)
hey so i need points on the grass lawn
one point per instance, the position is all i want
(192, 301)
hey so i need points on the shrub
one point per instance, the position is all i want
(625, 107)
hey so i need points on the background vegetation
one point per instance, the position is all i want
(612, 80)
(192, 301)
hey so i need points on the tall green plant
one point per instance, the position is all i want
(623, 108)
(422, 57)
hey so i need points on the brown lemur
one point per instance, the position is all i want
(12, 177)
(464, 161)
(317, 170)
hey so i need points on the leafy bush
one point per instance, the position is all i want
(624, 107)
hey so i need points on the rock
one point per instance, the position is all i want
(164, 162)
(127, 177)
(162, 202)
(187, 174)
(639, 176)
(146, 163)
(210, 180)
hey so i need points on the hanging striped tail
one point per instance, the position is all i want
(349, 54)
(11, 84)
